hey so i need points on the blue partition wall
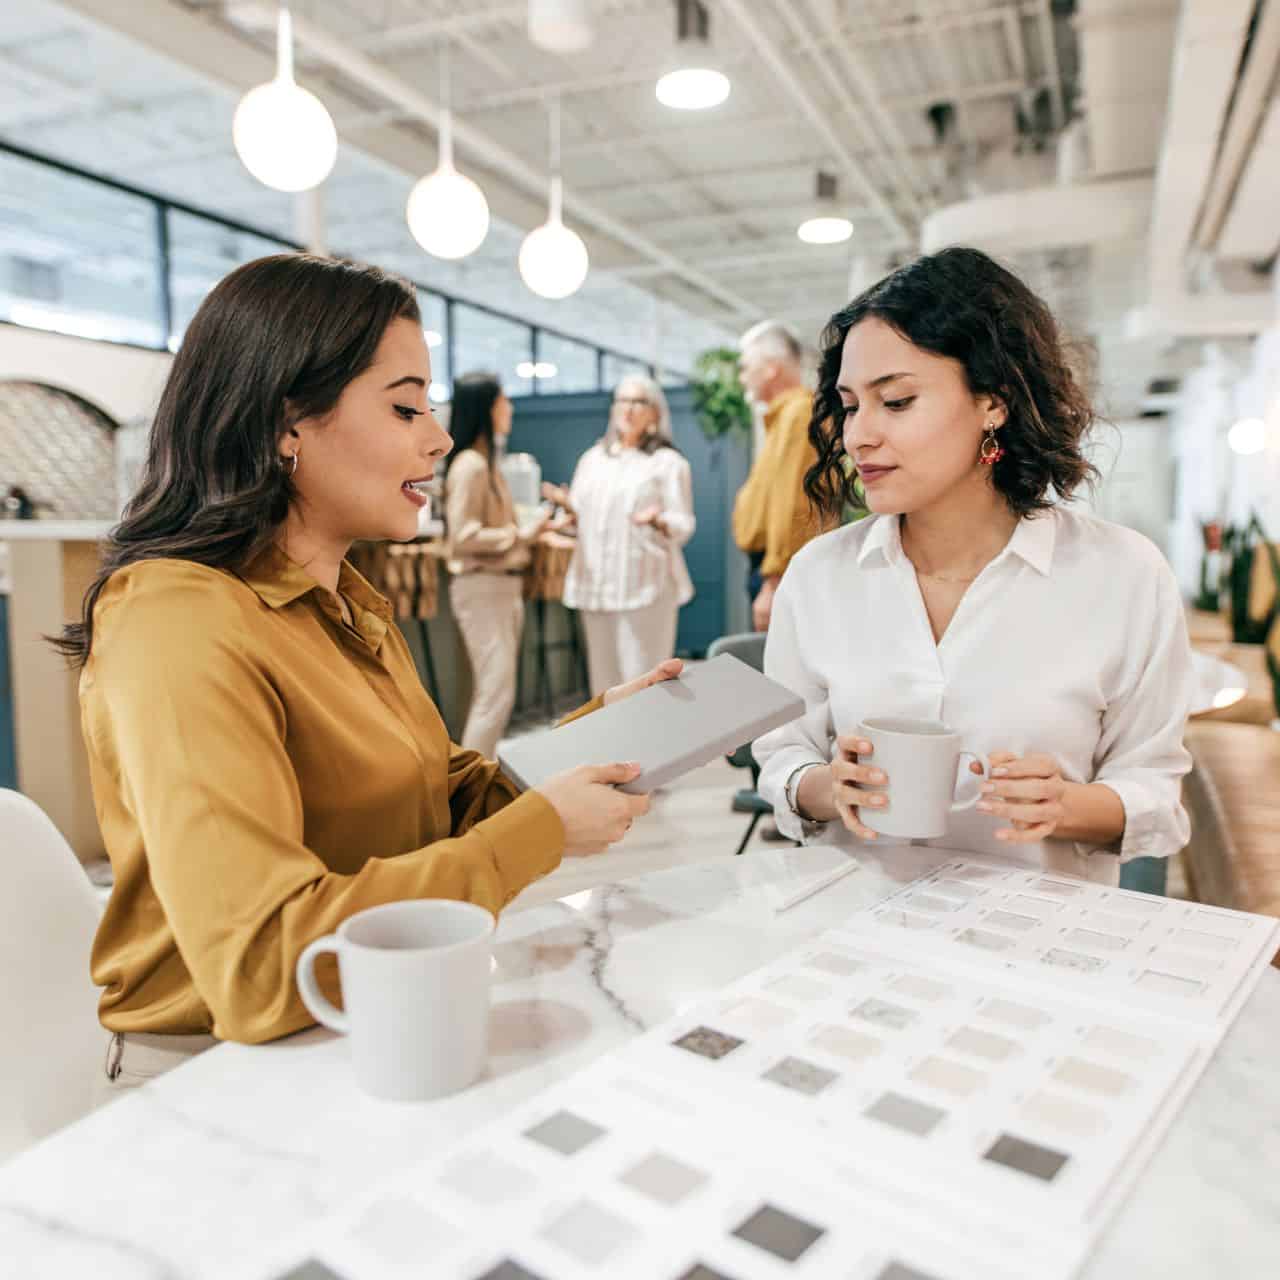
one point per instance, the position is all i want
(557, 430)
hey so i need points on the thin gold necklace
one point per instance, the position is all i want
(942, 577)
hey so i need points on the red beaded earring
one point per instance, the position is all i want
(991, 451)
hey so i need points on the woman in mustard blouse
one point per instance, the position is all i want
(264, 759)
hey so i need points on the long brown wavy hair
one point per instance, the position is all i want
(962, 304)
(276, 341)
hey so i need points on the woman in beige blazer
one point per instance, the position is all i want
(488, 553)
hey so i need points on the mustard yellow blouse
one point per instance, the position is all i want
(261, 771)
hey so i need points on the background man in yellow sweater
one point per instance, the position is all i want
(772, 519)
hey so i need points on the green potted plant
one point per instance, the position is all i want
(718, 398)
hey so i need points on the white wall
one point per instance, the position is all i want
(124, 382)
(1136, 485)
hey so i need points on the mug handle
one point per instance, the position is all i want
(320, 1007)
(960, 805)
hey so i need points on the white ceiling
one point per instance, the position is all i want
(142, 90)
(690, 218)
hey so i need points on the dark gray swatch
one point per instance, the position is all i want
(900, 1271)
(700, 1271)
(564, 1132)
(708, 1042)
(312, 1269)
(779, 1233)
(508, 1270)
(1026, 1157)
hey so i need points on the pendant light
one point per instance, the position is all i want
(553, 260)
(828, 225)
(560, 26)
(282, 132)
(694, 82)
(447, 213)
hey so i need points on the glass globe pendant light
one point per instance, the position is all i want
(447, 213)
(282, 132)
(553, 259)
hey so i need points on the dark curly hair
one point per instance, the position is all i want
(961, 304)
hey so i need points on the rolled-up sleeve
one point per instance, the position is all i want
(1141, 753)
(805, 741)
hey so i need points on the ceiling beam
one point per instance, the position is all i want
(804, 255)
(766, 49)
(881, 131)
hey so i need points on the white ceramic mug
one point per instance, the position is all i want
(415, 983)
(921, 759)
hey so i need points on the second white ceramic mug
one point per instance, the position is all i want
(415, 985)
(921, 759)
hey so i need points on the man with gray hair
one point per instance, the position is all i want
(772, 518)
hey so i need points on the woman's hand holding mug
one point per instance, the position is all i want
(1028, 791)
(850, 778)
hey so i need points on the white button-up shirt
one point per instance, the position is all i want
(1071, 642)
(619, 564)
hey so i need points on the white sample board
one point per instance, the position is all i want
(885, 1102)
(1157, 956)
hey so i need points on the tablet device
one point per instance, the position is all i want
(667, 729)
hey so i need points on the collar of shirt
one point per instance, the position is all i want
(278, 581)
(1032, 541)
(780, 404)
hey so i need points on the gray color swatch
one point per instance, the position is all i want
(708, 1042)
(906, 1114)
(663, 1179)
(1026, 1157)
(779, 1233)
(564, 1132)
(802, 1076)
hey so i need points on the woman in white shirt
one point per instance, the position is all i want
(1053, 642)
(632, 495)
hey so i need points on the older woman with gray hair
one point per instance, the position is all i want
(632, 497)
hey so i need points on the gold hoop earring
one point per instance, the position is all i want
(293, 465)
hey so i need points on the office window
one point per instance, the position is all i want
(574, 364)
(618, 367)
(77, 256)
(435, 328)
(201, 252)
(494, 344)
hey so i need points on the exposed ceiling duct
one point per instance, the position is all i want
(1241, 213)
(1210, 39)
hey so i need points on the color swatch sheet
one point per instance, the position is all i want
(1177, 960)
(945, 1111)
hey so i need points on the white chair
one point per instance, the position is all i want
(53, 1043)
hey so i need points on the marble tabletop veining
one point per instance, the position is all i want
(199, 1172)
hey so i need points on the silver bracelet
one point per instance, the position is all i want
(791, 787)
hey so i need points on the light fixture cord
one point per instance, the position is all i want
(446, 112)
(284, 44)
(557, 184)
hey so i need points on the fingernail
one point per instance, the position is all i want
(863, 745)
(1002, 772)
(987, 788)
(984, 807)
(877, 775)
(876, 800)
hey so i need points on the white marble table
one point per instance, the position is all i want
(199, 1173)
